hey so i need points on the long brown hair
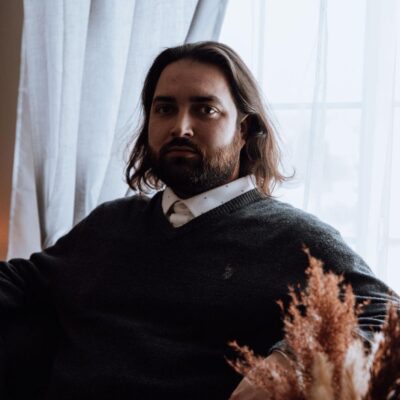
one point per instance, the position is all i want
(260, 156)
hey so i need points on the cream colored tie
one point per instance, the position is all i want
(179, 214)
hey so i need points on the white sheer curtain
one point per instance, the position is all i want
(330, 69)
(82, 68)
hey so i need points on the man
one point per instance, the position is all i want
(147, 293)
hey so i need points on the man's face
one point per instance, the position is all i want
(194, 135)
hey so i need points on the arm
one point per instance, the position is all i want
(29, 328)
(26, 283)
(27, 331)
(21, 284)
(29, 295)
(326, 244)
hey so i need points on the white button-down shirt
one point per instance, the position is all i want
(206, 201)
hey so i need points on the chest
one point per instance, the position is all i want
(217, 281)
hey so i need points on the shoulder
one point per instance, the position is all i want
(293, 225)
(125, 207)
(277, 212)
(135, 203)
(120, 213)
(109, 218)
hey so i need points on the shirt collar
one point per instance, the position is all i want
(213, 198)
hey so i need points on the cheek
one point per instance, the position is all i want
(218, 133)
(155, 135)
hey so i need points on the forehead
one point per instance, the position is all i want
(193, 78)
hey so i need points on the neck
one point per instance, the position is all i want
(187, 189)
(186, 192)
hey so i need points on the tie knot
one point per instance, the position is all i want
(179, 214)
(180, 208)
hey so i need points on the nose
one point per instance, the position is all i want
(182, 126)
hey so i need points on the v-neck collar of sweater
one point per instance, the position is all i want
(206, 201)
(161, 223)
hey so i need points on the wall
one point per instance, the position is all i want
(11, 15)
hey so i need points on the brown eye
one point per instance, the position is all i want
(208, 110)
(163, 109)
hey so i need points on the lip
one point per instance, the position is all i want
(180, 150)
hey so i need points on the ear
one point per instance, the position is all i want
(244, 128)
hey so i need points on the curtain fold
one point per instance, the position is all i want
(377, 132)
(314, 178)
(82, 68)
(207, 20)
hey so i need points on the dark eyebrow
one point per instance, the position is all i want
(164, 99)
(205, 99)
(193, 99)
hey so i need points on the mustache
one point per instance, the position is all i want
(179, 142)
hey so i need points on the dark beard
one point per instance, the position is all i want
(188, 176)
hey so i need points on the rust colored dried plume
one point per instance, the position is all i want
(385, 379)
(327, 325)
(329, 361)
(277, 382)
(326, 329)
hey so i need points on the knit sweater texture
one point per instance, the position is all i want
(146, 310)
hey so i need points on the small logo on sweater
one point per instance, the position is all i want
(228, 272)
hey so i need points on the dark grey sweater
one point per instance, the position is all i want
(146, 310)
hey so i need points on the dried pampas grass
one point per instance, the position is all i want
(321, 378)
(330, 361)
(385, 379)
(265, 376)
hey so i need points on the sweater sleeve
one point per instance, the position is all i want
(28, 330)
(326, 244)
(24, 282)
(29, 327)
(20, 280)
(25, 341)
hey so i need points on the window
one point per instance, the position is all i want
(330, 72)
